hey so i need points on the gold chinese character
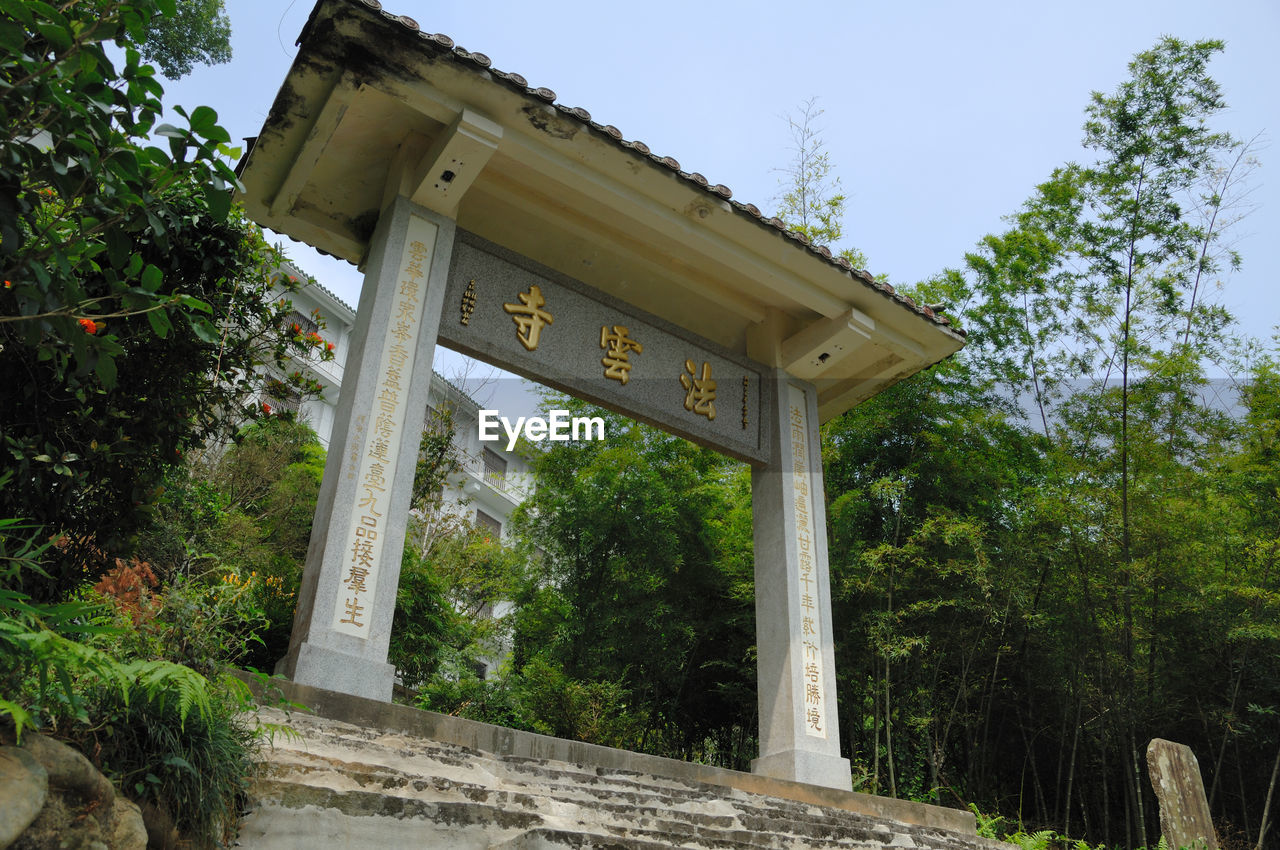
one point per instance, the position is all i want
(617, 364)
(529, 316)
(355, 578)
(812, 673)
(814, 718)
(468, 302)
(353, 612)
(700, 393)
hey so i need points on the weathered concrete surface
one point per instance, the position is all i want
(1184, 809)
(388, 776)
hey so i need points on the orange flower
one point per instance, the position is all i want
(89, 325)
(8, 284)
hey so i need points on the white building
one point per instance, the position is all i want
(316, 309)
(493, 480)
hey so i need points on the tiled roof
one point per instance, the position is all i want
(444, 45)
(312, 281)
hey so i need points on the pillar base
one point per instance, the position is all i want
(321, 667)
(805, 766)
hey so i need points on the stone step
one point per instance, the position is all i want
(623, 792)
(629, 789)
(332, 783)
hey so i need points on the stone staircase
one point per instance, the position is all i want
(338, 784)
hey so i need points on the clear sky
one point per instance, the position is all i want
(940, 117)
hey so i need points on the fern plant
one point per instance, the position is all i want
(163, 732)
(48, 668)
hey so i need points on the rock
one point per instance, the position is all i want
(70, 771)
(24, 785)
(161, 831)
(62, 826)
(79, 811)
(129, 833)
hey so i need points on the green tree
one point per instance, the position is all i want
(198, 32)
(136, 307)
(1040, 600)
(812, 202)
(640, 597)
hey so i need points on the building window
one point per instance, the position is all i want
(306, 325)
(281, 397)
(489, 523)
(495, 469)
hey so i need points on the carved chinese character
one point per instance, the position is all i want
(812, 673)
(699, 393)
(354, 608)
(744, 401)
(362, 552)
(618, 345)
(369, 502)
(355, 578)
(378, 449)
(814, 718)
(468, 302)
(529, 316)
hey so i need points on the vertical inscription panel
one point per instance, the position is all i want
(379, 442)
(809, 660)
(507, 310)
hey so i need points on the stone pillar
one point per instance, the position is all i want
(342, 623)
(796, 682)
(1185, 820)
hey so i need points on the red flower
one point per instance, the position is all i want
(8, 284)
(328, 346)
(89, 325)
(266, 408)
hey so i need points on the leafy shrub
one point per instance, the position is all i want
(194, 768)
(137, 300)
(101, 675)
(48, 664)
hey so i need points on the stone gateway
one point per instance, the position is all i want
(522, 232)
